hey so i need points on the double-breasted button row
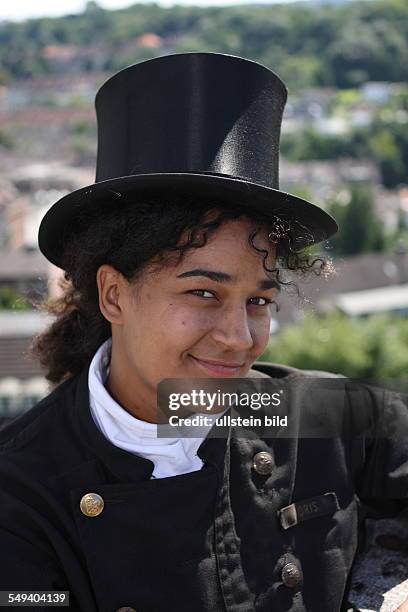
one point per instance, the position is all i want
(91, 504)
(263, 463)
(291, 575)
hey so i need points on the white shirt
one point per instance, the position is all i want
(171, 456)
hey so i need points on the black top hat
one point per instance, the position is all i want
(204, 124)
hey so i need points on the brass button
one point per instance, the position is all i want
(291, 575)
(125, 609)
(91, 504)
(263, 463)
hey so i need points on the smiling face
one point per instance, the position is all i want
(213, 307)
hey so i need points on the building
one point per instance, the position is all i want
(22, 381)
(370, 283)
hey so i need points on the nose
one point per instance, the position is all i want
(233, 329)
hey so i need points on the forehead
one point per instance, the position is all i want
(233, 234)
(229, 254)
(227, 249)
(234, 238)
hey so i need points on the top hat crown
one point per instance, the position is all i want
(204, 124)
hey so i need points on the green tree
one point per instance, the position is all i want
(6, 140)
(375, 347)
(10, 300)
(387, 144)
(341, 46)
(312, 145)
(360, 229)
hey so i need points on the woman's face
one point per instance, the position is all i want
(206, 317)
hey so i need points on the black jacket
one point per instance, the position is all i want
(206, 541)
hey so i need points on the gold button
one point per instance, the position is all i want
(91, 504)
(263, 463)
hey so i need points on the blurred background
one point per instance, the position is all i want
(344, 147)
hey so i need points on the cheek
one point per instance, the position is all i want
(167, 327)
(186, 323)
(260, 332)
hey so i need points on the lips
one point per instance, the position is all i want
(220, 363)
(218, 368)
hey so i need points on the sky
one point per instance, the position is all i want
(23, 9)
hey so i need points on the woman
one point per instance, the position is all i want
(171, 261)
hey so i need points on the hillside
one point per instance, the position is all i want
(336, 45)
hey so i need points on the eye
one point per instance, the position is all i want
(266, 300)
(196, 291)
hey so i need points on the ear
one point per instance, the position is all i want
(112, 289)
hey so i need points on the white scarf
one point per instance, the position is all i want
(171, 456)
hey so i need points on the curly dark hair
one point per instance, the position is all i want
(131, 237)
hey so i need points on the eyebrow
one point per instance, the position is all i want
(223, 277)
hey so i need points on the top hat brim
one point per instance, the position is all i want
(309, 223)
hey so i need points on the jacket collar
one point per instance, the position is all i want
(128, 467)
(125, 466)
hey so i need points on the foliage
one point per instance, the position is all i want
(360, 229)
(375, 347)
(385, 142)
(6, 140)
(308, 45)
(83, 127)
(10, 300)
(309, 144)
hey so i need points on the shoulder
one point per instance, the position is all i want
(22, 429)
(38, 441)
(276, 370)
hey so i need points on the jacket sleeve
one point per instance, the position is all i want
(27, 559)
(25, 567)
(383, 482)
